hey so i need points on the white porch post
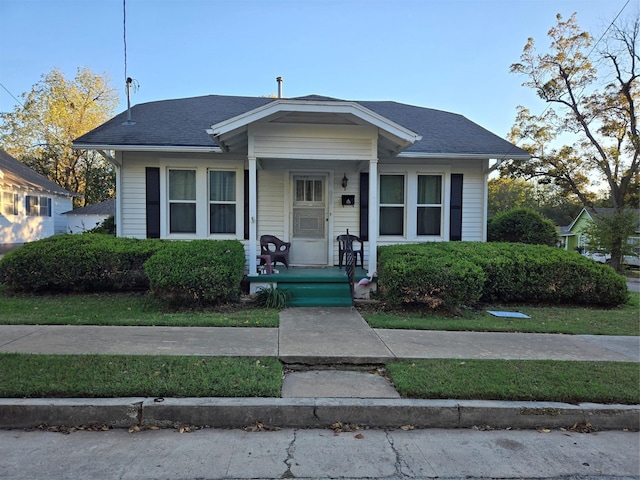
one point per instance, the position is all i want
(253, 202)
(373, 216)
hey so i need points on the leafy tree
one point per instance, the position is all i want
(39, 132)
(590, 115)
(603, 231)
(522, 225)
(507, 193)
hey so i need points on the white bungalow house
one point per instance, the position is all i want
(31, 205)
(303, 169)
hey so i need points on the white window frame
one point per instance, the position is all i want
(202, 169)
(36, 210)
(404, 205)
(7, 205)
(171, 201)
(239, 230)
(430, 205)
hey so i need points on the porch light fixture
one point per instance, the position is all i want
(345, 181)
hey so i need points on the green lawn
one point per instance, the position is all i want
(124, 310)
(24, 375)
(544, 319)
(531, 380)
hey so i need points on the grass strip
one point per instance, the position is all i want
(69, 376)
(122, 310)
(512, 380)
(544, 319)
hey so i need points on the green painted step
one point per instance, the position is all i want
(317, 294)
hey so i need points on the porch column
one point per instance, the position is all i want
(373, 216)
(253, 202)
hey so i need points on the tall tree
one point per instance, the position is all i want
(589, 133)
(507, 193)
(57, 110)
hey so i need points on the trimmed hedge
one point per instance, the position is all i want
(198, 272)
(420, 274)
(431, 274)
(203, 272)
(522, 225)
(78, 263)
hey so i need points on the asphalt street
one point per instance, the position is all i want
(318, 454)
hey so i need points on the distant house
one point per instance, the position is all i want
(85, 218)
(31, 205)
(303, 169)
(573, 236)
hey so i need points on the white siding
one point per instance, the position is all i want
(60, 205)
(133, 197)
(472, 207)
(271, 204)
(326, 142)
(20, 228)
(345, 217)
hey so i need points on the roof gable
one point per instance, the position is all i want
(315, 110)
(16, 174)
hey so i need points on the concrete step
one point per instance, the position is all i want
(337, 384)
(310, 294)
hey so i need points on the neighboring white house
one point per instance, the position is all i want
(85, 218)
(304, 169)
(31, 205)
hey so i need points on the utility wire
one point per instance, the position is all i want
(124, 30)
(11, 94)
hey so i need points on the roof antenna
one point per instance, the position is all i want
(279, 80)
(129, 81)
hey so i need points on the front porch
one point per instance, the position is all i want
(313, 287)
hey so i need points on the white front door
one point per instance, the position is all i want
(309, 223)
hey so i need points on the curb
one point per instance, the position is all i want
(312, 413)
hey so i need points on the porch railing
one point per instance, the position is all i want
(350, 263)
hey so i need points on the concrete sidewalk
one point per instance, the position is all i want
(340, 378)
(316, 336)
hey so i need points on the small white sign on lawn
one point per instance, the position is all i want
(508, 314)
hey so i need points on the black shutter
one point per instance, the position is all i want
(152, 175)
(455, 209)
(364, 206)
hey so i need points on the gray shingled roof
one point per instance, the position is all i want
(17, 175)
(108, 207)
(183, 123)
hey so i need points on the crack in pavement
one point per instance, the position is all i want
(17, 339)
(291, 448)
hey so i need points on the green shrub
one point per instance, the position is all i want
(272, 297)
(200, 272)
(78, 263)
(509, 273)
(108, 226)
(417, 275)
(522, 225)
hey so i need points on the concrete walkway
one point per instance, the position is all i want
(333, 371)
(316, 336)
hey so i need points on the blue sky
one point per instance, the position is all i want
(451, 55)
